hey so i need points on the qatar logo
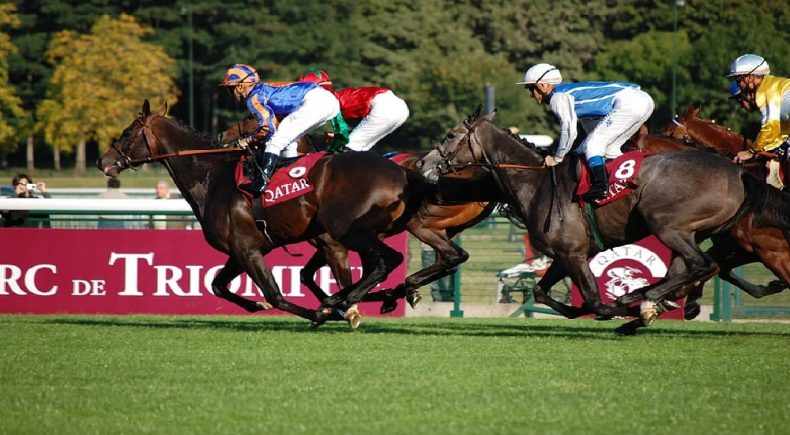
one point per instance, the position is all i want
(623, 269)
(297, 172)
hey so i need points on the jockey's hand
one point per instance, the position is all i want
(550, 161)
(244, 143)
(742, 156)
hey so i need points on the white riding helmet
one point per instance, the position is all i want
(542, 73)
(749, 64)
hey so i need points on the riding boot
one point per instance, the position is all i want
(262, 170)
(599, 184)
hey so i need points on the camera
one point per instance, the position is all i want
(31, 186)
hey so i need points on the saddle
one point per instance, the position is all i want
(289, 181)
(621, 171)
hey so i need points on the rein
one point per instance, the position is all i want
(152, 143)
(497, 166)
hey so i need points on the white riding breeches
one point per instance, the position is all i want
(318, 107)
(632, 107)
(387, 112)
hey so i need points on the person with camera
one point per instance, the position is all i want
(24, 187)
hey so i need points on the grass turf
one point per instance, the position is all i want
(253, 374)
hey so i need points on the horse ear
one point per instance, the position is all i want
(695, 109)
(164, 110)
(146, 110)
(476, 113)
(490, 116)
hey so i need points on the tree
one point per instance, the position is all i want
(98, 82)
(10, 104)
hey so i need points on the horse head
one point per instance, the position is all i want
(453, 149)
(695, 131)
(136, 145)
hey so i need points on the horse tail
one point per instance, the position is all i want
(770, 206)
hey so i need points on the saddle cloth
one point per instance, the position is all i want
(622, 171)
(288, 182)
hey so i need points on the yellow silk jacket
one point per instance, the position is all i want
(773, 100)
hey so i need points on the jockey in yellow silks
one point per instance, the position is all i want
(768, 94)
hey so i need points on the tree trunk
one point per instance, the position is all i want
(79, 165)
(56, 157)
(29, 157)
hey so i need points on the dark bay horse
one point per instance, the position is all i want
(436, 223)
(682, 198)
(358, 199)
(749, 240)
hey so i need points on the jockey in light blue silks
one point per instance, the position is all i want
(610, 113)
(302, 107)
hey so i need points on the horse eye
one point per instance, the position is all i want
(449, 136)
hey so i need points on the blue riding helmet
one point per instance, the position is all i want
(735, 90)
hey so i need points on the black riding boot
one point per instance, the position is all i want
(262, 171)
(599, 183)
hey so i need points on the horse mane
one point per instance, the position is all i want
(183, 126)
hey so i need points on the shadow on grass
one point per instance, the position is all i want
(423, 327)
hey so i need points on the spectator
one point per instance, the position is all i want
(172, 222)
(24, 187)
(113, 192)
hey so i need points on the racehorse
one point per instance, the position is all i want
(358, 199)
(661, 203)
(747, 241)
(436, 223)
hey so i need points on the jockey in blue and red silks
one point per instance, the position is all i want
(610, 112)
(302, 107)
(379, 110)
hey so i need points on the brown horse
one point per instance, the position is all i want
(358, 199)
(436, 223)
(748, 241)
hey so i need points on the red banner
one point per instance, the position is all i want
(49, 271)
(626, 268)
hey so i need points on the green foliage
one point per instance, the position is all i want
(92, 94)
(10, 104)
(436, 54)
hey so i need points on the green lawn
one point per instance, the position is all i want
(253, 374)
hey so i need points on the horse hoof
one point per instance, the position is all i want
(316, 323)
(264, 306)
(691, 311)
(649, 312)
(388, 306)
(414, 299)
(353, 317)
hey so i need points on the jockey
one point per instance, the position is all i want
(771, 96)
(610, 112)
(378, 108)
(302, 106)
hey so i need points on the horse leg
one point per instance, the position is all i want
(553, 275)
(448, 257)
(699, 268)
(251, 261)
(579, 271)
(219, 286)
(338, 265)
(728, 254)
(378, 260)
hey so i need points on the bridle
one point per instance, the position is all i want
(445, 165)
(686, 138)
(152, 144)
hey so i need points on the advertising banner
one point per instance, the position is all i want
(627, 268)
(53, 271)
